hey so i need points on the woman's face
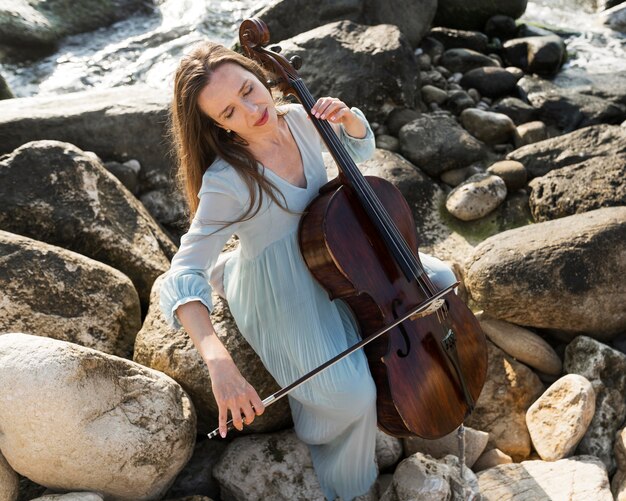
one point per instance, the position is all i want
(235, 99)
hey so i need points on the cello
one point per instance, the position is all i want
(426, 351)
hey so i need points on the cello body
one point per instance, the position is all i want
(344, 253)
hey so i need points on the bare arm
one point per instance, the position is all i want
(232, 392)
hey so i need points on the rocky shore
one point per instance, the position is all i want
(516, 180)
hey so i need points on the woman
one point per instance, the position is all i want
(250, 167)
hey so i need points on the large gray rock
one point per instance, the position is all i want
(77, 204)
(288, 18)
(510, 388)
(569, 149)
(436, 143)
(274, 466)
(561, 274)
(605, 368)
(117, 124)
(53, 292)
(474, 15)
(172, 352)
(594, 183)
(9, 483)
(572, 107)
(45, 22)
(379, 58)
(579, 478)
(74, 418)
(422, 477)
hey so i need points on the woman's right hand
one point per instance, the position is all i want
(233, 395)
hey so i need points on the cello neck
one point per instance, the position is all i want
(394, 241)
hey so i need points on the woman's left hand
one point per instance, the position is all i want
(333, 110)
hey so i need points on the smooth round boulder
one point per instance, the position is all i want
(522, 344)
(78, 205)
(541, 55)
(74, 418)
(476, 197)
(464, 60)
(513, 174)
(559, 418)
(546, 275)
(490, 81)
(517, 110)
(365, 53)
(436, 143)
(529, 133)
(460, 39)
(487, 126)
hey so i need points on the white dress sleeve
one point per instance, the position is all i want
(360, 149)
(188, 277)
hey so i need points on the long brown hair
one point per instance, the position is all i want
(198, 140)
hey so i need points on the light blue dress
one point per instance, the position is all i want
(281, 310)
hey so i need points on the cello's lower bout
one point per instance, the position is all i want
(418, 394)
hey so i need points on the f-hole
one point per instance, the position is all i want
(407, 342)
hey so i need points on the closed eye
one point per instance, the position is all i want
(248, 91)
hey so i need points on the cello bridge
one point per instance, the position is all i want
(432, 308)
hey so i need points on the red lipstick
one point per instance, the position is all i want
(263, 119)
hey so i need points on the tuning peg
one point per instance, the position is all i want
(296, 62)
(276, 48)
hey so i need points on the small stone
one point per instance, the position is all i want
(559, 418)
(529, 133)
(491, 458)
(487, 126)
(474, 94)
(457, 176)
(512, 172)
(386, 142)
(476, 197)
(475, 443)
(522, 344)
(432, 94)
